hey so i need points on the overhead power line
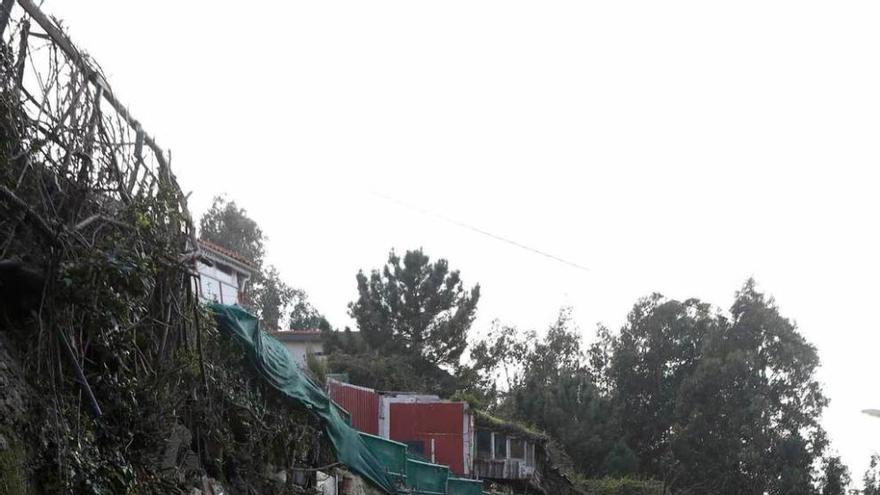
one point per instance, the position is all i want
(478, 230)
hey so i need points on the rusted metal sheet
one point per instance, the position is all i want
(435, 428)
(361, 402)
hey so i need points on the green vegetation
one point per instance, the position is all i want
(835, 477)
(646, 401)
(619, 486)
(416, 308)
(871, 479)
(132, 390)
(640, 403)
(117, 381)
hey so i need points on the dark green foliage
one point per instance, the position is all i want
(349, 353)
(304, 316)
(343, 342)
(620, 461)
(228, 225)
(871, 479)
(835, 477)
(557, 394)
(416, 308)
(113, 250)
(271, 297)
(267, 295)
(549, 386)
(620, 486)
(393, 372)
(317, 367)
(703, 402)
(654, 353)
(748, 415)
(245, 425)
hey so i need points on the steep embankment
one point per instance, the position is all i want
(113, 379)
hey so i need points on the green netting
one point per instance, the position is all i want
(424, 477)
(462, 486)
(280, 370)
(391, 454)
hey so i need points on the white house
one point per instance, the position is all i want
(223, 274)
(301, 343)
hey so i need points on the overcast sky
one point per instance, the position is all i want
(676, 147)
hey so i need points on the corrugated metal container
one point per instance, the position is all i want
(435, 430)
(361, 403)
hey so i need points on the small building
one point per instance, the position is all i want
(436, 430)
(440, 431)
(512, 455)
(301, 343)
(223, 274)
(504, 452)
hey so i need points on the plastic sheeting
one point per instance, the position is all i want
(391, 454)
(280, 370)
(460, 486)
(426, 478)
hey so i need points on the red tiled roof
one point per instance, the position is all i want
(210, 246)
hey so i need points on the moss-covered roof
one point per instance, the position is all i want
(495, 423)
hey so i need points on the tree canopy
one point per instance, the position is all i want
(702, 400)
(835, 477)
(303, 315)
(228, 225)
(417, 308)
(268, 295)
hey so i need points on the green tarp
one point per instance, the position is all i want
(280, 370)
(391, 454)
(424, 477)
(463, 486)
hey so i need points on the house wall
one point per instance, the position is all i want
(299, 350)
(361, 402)
(217, 284)
(437, 426)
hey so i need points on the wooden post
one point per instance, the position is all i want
(138, 158)
(67, 47)
(492, 445)
(81, 377)
(86, 169)
(93, 122)
(22, 55)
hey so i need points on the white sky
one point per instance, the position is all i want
(677, 147)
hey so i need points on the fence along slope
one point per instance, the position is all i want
(280, 370)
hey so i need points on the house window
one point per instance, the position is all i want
(219, 283)
(228, 293)
(210, 289)
(500, 446)
(484, 444)
(517, 448)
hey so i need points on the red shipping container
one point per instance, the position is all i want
(437, 428)
(361, 402)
